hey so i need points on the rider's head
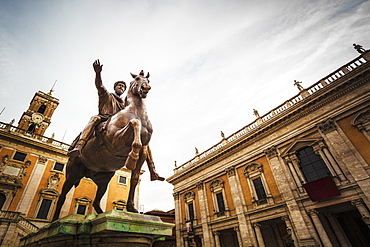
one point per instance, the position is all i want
(119, 87)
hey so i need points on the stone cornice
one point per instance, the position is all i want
(328, 94)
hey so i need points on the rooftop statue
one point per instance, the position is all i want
(298, 84)
(359, 48)
(119, 136)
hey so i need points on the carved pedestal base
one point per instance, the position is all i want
(112, 228)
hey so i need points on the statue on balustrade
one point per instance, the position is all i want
(359, 48)
(118, 136)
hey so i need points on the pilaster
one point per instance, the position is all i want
(237, 196)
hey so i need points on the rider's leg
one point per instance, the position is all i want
(153, 173)
(85, 136)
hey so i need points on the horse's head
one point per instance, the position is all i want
(140, 86)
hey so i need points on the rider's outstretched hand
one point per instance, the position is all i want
(97, 67)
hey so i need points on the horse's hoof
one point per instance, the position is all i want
(131, 208)
(155, 176)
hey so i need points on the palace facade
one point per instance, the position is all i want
(296, 176)
(32, 172)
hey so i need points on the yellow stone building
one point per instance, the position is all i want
(32, 172)
(296, 176)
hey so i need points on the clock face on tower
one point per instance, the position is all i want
(37, 117)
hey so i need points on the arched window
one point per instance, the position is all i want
(2, 200)
(42, 109)
(312, 165)
(32, 128)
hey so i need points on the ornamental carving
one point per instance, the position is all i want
(253, 169)
(200, 185)
(189, 196)
(230, 171)
(42, 159)
(271, 152)
(11, 173)
(53, 181)
(176, 195)
(362, 118)
(327, 126)
(216, 184)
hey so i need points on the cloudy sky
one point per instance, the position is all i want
(211, 63)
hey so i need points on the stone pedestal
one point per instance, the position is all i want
(112, 228)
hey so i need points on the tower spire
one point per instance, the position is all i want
(51, 90)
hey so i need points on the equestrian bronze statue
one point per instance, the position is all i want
(119, 140)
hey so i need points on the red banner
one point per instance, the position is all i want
(321, 189)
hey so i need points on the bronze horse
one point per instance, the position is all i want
(123, 140)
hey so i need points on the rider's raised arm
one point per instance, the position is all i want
(98, 81)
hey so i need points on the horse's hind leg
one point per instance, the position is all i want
(133, 156)
(135, 176)
(102, 180)
(74, 172)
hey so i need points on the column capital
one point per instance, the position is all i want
(176, 195)
(256, 225)
(312, 212)
(271, 152)
(285, 218)
(231, 171)
(200, 185)
(327, 126)
(357, 202)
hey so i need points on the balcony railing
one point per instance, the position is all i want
(10, 216)
(276, 112)
(33, 136)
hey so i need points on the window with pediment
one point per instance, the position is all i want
(311, 164)
(82, 205)
(219, 199)
(189, 199)
(309, 159)
(119, 205)
(12, 172)
(362, 122)
(257, 184)
(47, 199)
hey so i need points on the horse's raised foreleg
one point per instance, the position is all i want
(74, 173)
(133, 156)
(102, 180)
(135, 176)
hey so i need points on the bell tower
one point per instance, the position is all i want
(37, 118)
